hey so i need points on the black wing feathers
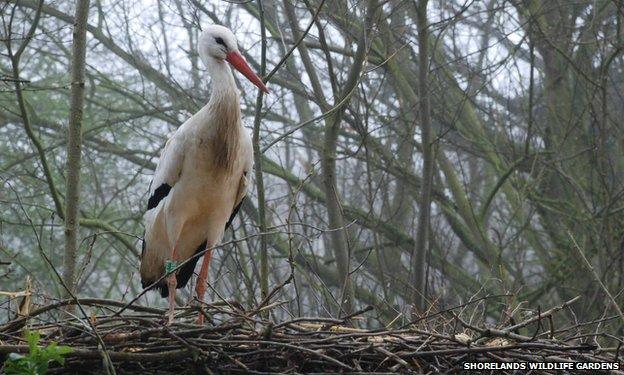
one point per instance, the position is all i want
(234, 212)
(159, 194)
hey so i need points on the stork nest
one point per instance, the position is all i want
(117, 338)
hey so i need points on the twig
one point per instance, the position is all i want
(597, 278)
(542, 315)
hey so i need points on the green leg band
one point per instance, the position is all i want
(170, 266)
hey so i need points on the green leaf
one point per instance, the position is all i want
(33, 339)
(37, 361)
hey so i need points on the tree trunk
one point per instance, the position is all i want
(74, 144)
(422, 235)
(338, 236)
(264, 255)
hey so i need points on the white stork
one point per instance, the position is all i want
(202, 176)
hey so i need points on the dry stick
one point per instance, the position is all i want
(433, 315)
(191, 349)
(18, 323)
(356, 313)
(487, 349)
(400, 360)
(596, 277)
(146, 333)
(547, 313)
(236, 361)
(539, 324)
(270, 295)
(285, 345)
(308, 319)
(487, 332)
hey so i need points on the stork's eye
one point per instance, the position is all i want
(220, 41)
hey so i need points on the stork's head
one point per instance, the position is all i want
(219, 43)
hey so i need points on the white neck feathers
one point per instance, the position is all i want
(224, 109)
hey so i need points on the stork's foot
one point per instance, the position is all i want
(195, 304)
(199, 301)
(172, 282)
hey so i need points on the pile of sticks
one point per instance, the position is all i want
(110, 337)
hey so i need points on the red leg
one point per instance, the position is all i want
(172, 282)
(201, 282)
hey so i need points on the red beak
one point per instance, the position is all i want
(239, 63)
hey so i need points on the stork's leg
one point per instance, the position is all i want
(201, 283)
(172, 283)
